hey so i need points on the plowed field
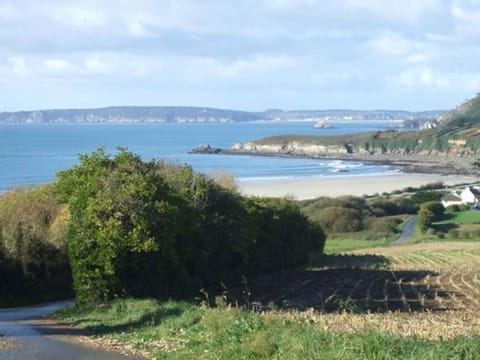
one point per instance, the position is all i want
(424, 290)
(424, 277)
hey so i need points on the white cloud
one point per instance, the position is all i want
(466, 14)
(258, 64)
(59, 66)
(294, 46)
(416, 58)
(289, 4)
(404, 10)
(97, 65)
(7, 11)
(425, 77)
(80, 17)
(18, 66)
(394, 44)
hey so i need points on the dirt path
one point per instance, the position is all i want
(25, 334)
(408, 231)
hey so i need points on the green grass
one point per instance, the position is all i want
(335, 246)
(179, 330)
(461, 218)
(454, 226)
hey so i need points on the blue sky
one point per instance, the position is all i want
(249, 54)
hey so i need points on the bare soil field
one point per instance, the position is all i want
(426, 290)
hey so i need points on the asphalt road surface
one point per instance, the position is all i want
(408, 231)
(26, 334)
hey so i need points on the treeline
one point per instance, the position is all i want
(127, 227)
(33, 247)
(371, 219)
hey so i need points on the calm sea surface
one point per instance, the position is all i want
(34, 153)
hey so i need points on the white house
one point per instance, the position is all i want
(451, 198)
(469, 196)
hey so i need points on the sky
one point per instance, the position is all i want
(246, 55)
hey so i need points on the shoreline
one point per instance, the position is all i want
(444, 164)
(313, 187)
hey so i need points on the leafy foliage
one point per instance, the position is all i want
(355, 217)
(33, 247)
(429, 212)
(153, 229)
(423, 196)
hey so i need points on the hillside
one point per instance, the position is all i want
(455, 133)
(467, 113)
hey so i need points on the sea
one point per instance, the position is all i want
(32, 154)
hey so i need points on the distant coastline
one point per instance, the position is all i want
(411, 163)
(189, 114)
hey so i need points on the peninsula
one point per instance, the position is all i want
(449, 144)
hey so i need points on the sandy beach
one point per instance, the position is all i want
(309, 188)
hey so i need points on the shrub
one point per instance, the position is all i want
(340, 219)
(433, 186)
(33, 246)
(453, 208)
(435, 207)
(423, 196)
(431, 232)
(453, 234)
(429, 212)
(153, 229)
(284, 237)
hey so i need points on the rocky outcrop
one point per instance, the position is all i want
(205, 149)
(293, 148)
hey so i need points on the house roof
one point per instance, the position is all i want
(475, 192)
(451, 197)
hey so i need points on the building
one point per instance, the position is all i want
(469, 196)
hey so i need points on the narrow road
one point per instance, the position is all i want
(26, 334)
(408, 231)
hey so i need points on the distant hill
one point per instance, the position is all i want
(466, 114)
(129, 114)
(455, 133)
(179, 114)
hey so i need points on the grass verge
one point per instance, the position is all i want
(179, 330)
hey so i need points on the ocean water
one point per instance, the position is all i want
(32, 154)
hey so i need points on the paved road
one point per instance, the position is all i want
(26, 335)
(408, 231)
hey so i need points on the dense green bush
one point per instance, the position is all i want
(357, 217)
(435, 207)
(340, 219)
(422, 196)
(283, 237)
(153, 229)
(33, 246)
(429, 212)
(391, 207)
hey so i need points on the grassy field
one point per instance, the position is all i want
(335, 246)
(468, 217)
(408, 302)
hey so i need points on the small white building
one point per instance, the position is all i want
(469, 196)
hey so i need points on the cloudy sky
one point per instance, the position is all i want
(249, 54)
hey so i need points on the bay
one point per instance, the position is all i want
(32, 154)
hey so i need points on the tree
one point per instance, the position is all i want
(429, 212)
